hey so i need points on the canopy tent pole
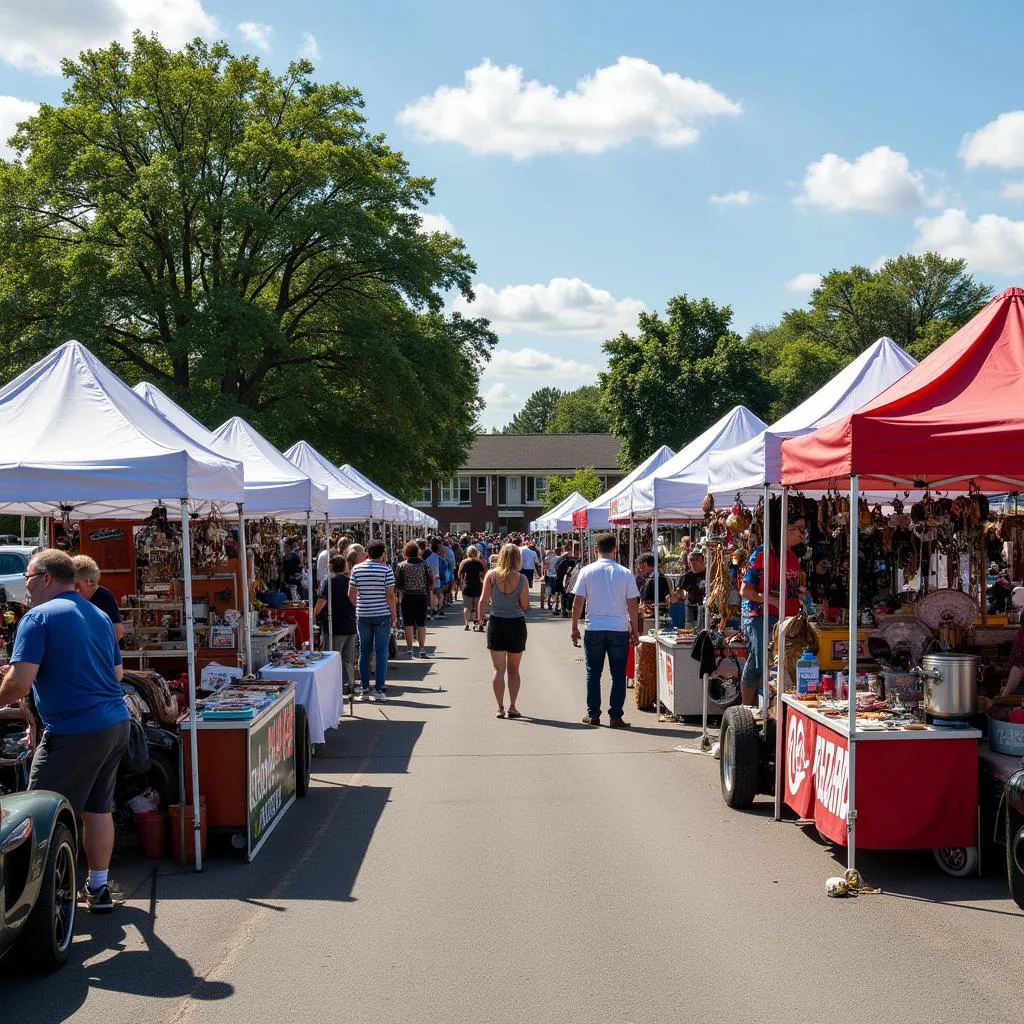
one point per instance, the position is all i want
(705, 739)
(632, 533)
(243, 566)
(780, 647)
(309, 575)
(851, 686)
(42, 531)
(190, 654)
(765, 608)
(654, 536)
(328, 643)
(21, 531)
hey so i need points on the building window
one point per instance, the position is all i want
(426, 495)
(458, 528)
(536, 489)
(455, 491)
(481, 485)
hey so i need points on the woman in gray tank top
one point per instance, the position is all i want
(507, 595)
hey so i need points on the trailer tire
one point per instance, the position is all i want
(738, 767)
(958, 861)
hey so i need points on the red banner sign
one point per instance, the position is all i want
(817, 774)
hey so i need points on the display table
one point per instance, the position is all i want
(246, 767)
(915, 789)
(317, 688)
(262, 640)
(680, 684)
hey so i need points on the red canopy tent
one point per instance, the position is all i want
(957, 417)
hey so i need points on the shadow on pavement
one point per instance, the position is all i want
(156, 970)
(370, 742)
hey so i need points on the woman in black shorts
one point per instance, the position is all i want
(508, 596)
(471, 577)
(413, 583)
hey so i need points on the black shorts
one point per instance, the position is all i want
(82, 768)
(528, 573)
(414, 609)
(507, 635)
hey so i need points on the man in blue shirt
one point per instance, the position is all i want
(65, 651)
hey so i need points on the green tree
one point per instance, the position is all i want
(915, 300)
(802, 367)
(676, 376)
(240, 239)
(536, 412)
(579, 412)
(584, 480)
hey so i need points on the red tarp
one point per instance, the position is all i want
(956, 416)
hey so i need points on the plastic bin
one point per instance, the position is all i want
(152, 833)
(190, 846)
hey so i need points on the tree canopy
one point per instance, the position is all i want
(584, 480)
(536, 413)
(579, 412)
(240, 239)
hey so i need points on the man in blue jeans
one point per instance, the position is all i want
(372, 591)
(608, 590)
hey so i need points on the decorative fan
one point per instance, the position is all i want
(947, 608)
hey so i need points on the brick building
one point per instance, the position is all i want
(502, 485)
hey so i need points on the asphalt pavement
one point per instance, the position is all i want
(449, 867)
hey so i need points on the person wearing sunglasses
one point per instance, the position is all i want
(66, 653)
(760, 588)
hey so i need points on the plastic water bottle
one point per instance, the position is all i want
(807, 673)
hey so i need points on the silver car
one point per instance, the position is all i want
(13, 563)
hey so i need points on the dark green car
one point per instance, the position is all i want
(38, 853)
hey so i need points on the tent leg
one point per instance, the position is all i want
(309, 575)
(328, 643)
(765, 616)
(780, 654)
(851, 686)
(190, 648)
(243, 565)
(632, 536)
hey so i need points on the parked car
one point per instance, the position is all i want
(11, 538)
(13, 563)
(38, 894)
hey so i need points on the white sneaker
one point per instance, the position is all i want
(372, 697)
(382, 696)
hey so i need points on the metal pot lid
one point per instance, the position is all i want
(950, 656)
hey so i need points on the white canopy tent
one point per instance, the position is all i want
(394, 510)
(676, 489)
(746, 468)
(559, 518)
(78, 441)
(597, 510)
(346, 501)
(170, 410)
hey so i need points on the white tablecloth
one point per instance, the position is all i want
(318, 689)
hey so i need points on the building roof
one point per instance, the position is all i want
(549, 452)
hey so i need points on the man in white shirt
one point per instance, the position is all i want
(609, 592)
(530, 559)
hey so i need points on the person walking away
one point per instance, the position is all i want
(563, 571)
(756, 594)
(343, 618)
(506, 594)
(471, 576)
(530, 560)
(66, 653)
(414, 585)
(434, 560)
(609, 591)
(448, 570)
(553, 598)
(323, 561)
(372, 590)
(87, 583)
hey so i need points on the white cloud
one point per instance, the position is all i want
(256, 32)
(1000, 143)
(803, 282)
(13, 110)
(498, 111)
(431, 222)
(529, 362)
(880, 180)
(563, 306)
(744, 197)
(310, 47)
(1012, 190)
(500, 397)
(991, 243)
(35, 36)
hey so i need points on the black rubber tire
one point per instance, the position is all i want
(740, 751)
(40, 945)
(303, 751)
(960, 861)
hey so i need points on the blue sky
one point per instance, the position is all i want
(601, 157)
